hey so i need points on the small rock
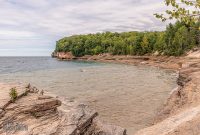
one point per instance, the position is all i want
(44, 97)
(28, 86)
(156, 53)
(34, 90)
(42, 92)
(144, 62)
(1, 110)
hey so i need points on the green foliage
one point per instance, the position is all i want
(160, 43)
(187, 11)
(177, 39)
(180, 38)
(13, 94)
(97, 50)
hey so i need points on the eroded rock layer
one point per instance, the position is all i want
(38, 114)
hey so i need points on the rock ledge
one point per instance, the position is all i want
(36, 114)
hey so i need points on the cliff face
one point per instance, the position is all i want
(33, 114)
(63, 55)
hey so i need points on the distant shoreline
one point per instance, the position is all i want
(165, 62)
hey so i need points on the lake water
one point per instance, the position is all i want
(124, 95)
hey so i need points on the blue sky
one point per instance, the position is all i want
(31, 27)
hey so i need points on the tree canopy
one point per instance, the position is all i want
(177, 39)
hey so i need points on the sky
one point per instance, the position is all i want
(32, 27)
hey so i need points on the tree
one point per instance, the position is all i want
(97, 50)
(137, 45)
(180, 42)
(145, 44)
(160, 44)
(187, 11)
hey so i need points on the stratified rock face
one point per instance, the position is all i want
(63, 55)
(35, 114)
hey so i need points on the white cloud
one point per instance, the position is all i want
(11, 34)
(53, 19)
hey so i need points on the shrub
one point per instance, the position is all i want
(13, 94)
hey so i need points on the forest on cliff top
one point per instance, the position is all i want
(176, 40)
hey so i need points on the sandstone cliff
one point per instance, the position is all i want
(63, 55)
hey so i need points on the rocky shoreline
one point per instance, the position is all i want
(36, 114)
(173, 63)
(181, 113)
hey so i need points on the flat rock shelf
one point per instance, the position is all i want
(33, 113)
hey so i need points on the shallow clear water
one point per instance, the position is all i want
(124, 95)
